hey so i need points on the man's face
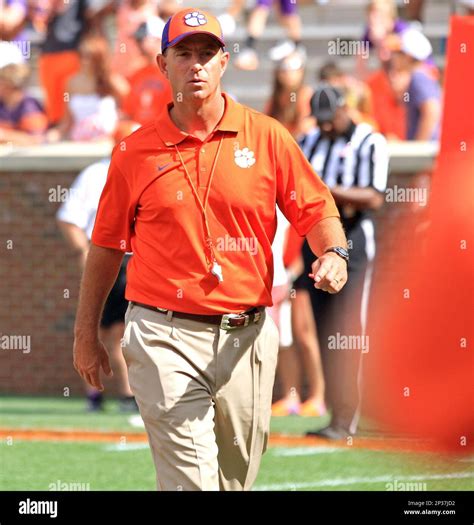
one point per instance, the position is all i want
(400, 61)
(194, 67)
(337, 126)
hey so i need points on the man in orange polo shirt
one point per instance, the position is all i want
(193, 195)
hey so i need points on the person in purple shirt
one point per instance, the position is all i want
(423, 93)
(22, 119)
(12, 19)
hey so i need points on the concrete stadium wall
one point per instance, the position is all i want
(39, 277)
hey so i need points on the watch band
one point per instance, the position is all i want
(339, 250)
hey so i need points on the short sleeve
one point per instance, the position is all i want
(423, 88)
(78, 209)
(115, 215)
(301, 194)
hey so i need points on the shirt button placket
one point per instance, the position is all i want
(202, 168)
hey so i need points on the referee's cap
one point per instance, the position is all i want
(188, 22)
(325, 101)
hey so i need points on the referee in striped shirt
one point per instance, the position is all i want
(353, 161)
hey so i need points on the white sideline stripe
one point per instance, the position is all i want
(353, 481)
(125, 447)
(286, 452)
(305, 451)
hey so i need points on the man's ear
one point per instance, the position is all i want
(225, 57)
(161, 61)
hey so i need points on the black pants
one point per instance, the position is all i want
(116, 304)
(338, 320)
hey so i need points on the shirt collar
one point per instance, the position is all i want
(232, 120)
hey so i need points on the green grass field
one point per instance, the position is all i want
(36, 465)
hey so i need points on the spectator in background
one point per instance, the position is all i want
(66, 23)
(280, 311)
(290, 19)
(22, 119)
(357, 94)
(76, 219)
(423, 93)
(149, 88)
(289, 103)
(130, 15)
(353, 161)
(91, 110)
(12, 18)
(298, 339)
(167, 8)
(414, 10)
(389, 111)
(228, 19)
(382, 21)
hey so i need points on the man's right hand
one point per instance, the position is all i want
(89, 357)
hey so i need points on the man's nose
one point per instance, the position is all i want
(197, 61)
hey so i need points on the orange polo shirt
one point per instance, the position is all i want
(148, 207)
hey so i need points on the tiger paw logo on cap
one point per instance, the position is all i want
(195, 19)
(190, 21)
(244, 158)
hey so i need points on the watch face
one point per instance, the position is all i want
(343, 252)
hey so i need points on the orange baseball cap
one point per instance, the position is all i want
(188, 22)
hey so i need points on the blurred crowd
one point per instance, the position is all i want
(88, 81)
(94, 86)
(95, 65)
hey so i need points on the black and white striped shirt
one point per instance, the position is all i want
(359, 158)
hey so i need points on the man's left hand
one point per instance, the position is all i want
(329, 273)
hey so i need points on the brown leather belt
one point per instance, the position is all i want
(225, 321)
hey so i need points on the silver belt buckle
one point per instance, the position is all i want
(227, 317)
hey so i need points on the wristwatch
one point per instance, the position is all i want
(339, 250)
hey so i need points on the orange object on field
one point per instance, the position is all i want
(419, 376)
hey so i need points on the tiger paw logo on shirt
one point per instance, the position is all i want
(195, 19)
(244, 158)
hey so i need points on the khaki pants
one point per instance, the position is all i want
(205, 396)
